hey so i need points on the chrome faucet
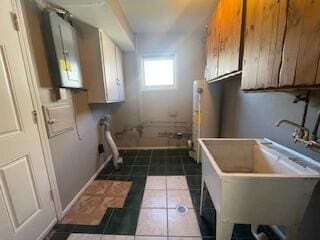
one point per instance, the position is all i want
(302, 133)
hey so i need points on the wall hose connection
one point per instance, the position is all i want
(107, 140)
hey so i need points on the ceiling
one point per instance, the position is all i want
(120, 19)
(149, 16)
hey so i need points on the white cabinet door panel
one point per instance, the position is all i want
(109, 67)
(120, 74)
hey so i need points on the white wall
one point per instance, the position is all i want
(156, 105)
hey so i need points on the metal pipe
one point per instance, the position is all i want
(305, 99)
(258, 236)
(305, 112)
(316, 128)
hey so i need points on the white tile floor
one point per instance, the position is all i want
(149, 238)
(154, 199)
(159, 218)
(116, 237)
(176, 182)
(152, 222)
(184, 238)
(175, 197)
(185, 225)
(155, 182)
(76, 236)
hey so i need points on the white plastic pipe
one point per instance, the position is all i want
(114, 150)
(108, 140)
(258, 236)
(278, 232)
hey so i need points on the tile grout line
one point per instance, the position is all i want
(106, 226)
(141, 204)
(167, 205)
(166, 166)
(130, 172)
(184, 171)
(149, 163)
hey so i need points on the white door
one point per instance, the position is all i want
(26, 208)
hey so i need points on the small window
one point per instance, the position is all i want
(158, 72)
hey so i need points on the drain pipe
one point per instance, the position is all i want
(258, 236)
(278, 232)
(105, 124)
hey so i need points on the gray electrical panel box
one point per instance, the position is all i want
(63, 51)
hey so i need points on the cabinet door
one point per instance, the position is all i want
(301, 48)
(230, 19)
(318, 74)
(120, 74)
(264, 34)
(109, 68)
(213, 45)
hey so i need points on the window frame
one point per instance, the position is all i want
(167, 56)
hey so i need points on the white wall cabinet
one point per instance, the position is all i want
(120, 80)
(102, 66)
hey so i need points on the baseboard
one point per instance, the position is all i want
(75, 199)
(47, 230)
(148, 148)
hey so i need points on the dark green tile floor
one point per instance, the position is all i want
(137, 165)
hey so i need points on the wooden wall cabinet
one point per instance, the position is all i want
(101, 65)
(282, 45)
(224, 40)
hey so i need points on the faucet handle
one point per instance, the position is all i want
(297, 133)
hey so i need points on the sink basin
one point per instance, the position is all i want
(250, 182)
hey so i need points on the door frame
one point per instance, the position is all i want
(32, 77)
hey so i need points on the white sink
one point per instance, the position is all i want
(251, 183)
